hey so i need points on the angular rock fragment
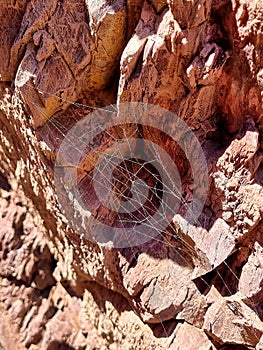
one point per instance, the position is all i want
(230, 321)
(237, 199)
(163, 289)
(251, 279)
(189, 337)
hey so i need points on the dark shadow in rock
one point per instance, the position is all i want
(101, 294)
(56, 345)
(233, 347)
(226, 276)
(259, 175)
(259, 308)
(4, 184)
(165, 329)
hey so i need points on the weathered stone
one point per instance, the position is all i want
(162, 279)
(239, 203)
(159, 5)
(9, 339)
(189, 337)
(108, 27)
(201, 60)
(251, 279)
(214, 245)
(191, 13)
(260, 344)
(10, 13)
(230, 320)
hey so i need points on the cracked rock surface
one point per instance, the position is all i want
(199, 287)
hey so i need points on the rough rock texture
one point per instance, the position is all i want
(196, 286)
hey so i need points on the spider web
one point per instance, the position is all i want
(122, 154)
(133, 181)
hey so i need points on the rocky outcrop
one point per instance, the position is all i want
(195, 285)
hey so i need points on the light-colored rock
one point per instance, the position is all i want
(215, 244)
(236, 198)
(188, 337)
(251, 279)
(231, 321)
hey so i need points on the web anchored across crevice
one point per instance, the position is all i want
(123, 173)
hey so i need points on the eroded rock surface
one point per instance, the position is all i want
(196, 286)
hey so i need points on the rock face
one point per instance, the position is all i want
(195, 285)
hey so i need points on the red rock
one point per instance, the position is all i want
(201, 60)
